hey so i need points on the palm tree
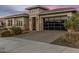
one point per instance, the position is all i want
(71, 23)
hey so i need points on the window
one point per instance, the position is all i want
(9, 22)
(19, 23)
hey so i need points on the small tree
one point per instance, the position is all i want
(71, 23)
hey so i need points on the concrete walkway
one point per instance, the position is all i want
(17, 45)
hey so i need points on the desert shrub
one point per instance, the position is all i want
(17, 30)
(71, 37)
(6, 33)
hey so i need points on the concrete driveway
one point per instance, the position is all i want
(44, 36)
(18, 45)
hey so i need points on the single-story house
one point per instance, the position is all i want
(40, 18)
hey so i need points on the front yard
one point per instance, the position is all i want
(9, 32)
(69, 40)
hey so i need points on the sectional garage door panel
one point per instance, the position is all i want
(54, 23)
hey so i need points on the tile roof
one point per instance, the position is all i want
(38, 6)
(16, 15)
(58, 10)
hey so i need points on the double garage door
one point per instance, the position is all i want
(54, 23)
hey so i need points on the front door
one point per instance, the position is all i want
(34, 23)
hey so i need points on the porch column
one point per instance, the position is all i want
(37, 23)
(13, 22)
(41, 24)
(30, 24)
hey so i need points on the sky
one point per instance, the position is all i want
(13, 9)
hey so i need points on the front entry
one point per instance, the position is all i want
(33, 23)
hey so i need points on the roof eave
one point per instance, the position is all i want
(33, 7)
(57, 12)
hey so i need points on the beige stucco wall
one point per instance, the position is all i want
(14, 22)
(30, 24)
(27, 22)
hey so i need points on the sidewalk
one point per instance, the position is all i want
(17, 45)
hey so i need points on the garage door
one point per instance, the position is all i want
(54, 23)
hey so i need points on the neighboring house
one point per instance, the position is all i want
(40, 18)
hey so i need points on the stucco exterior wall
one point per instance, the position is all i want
(26, 23)
(14, 22)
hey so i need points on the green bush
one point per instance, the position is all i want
(72, 22)
(6, 33)
(17, 30)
